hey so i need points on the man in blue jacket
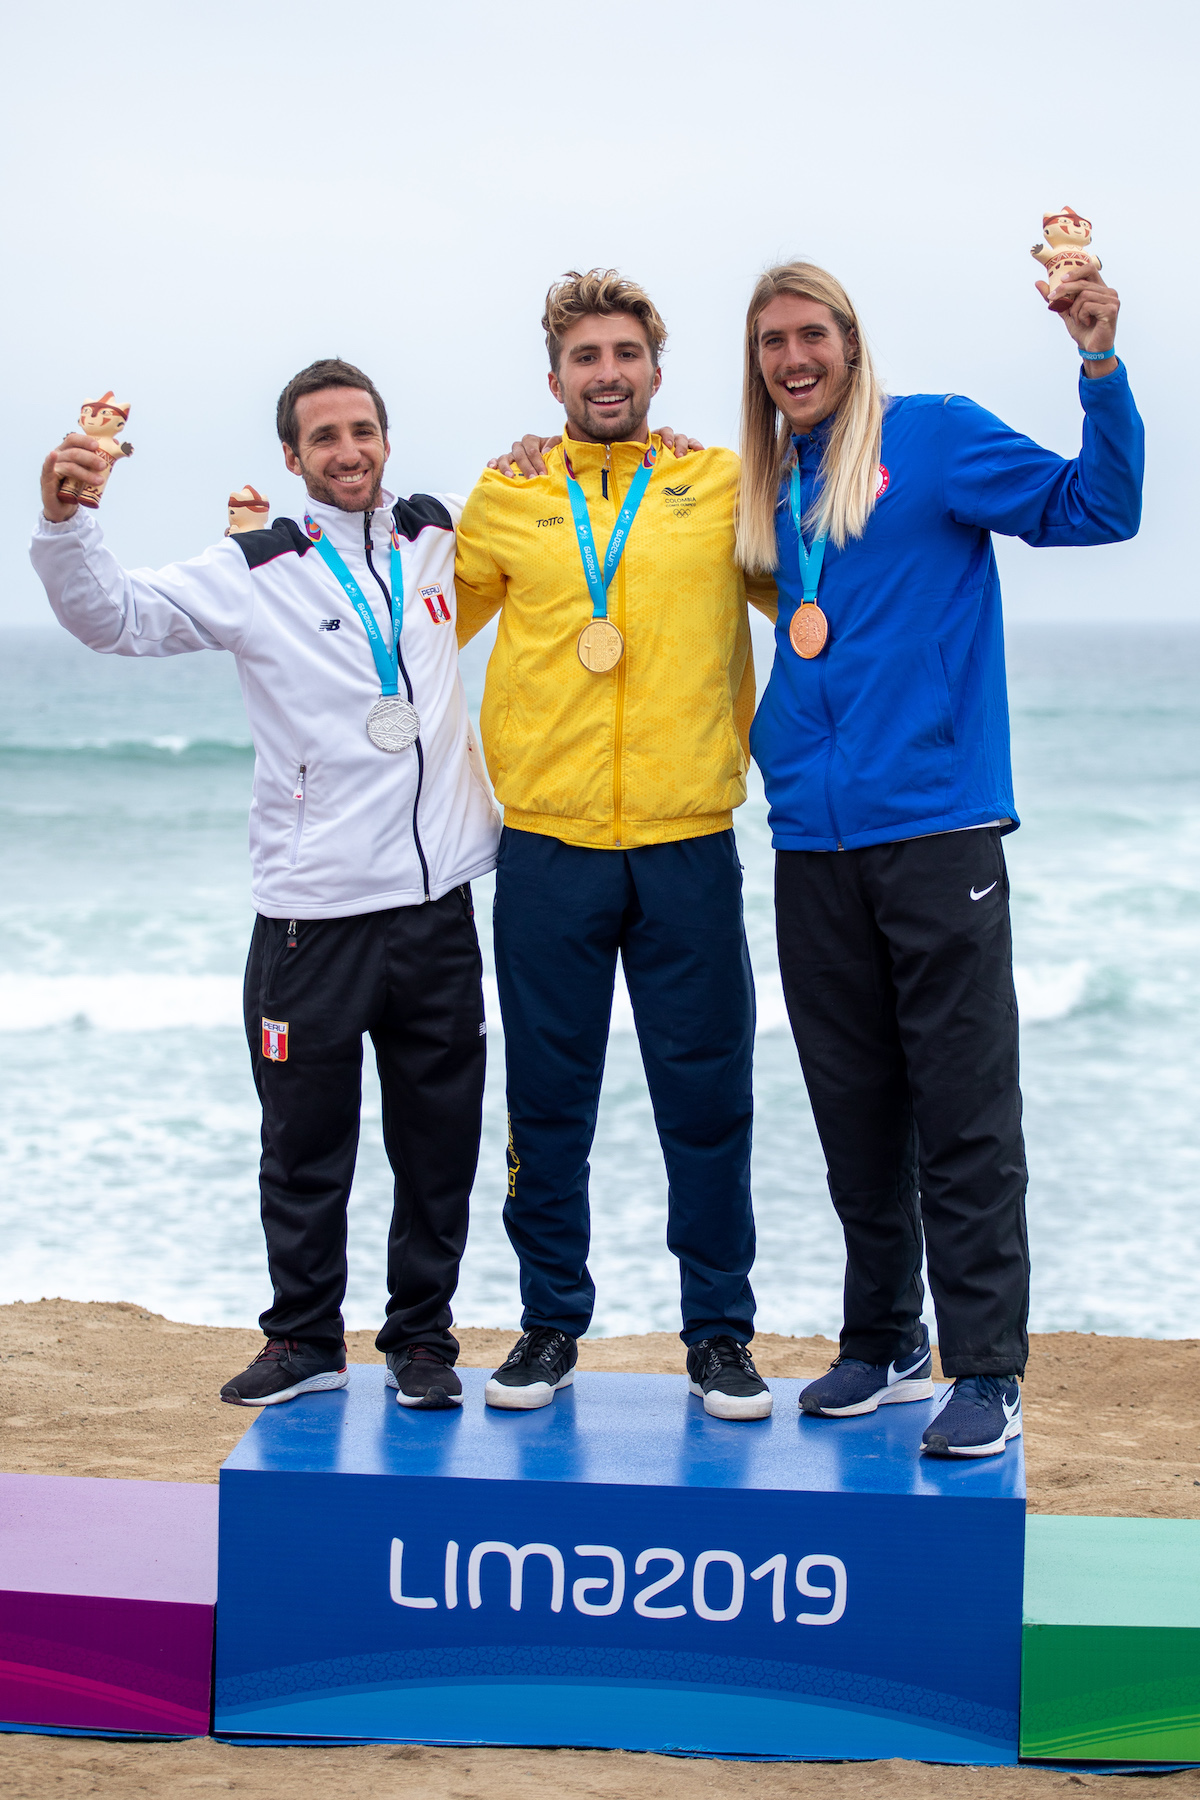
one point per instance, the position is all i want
(884, 745)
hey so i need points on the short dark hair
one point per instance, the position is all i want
(330, 372)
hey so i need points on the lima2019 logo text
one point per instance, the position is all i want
(717, 1589)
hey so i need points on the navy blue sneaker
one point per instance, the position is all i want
(853, 1387)
(980, 1414)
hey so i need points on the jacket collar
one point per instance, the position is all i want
(814, 441)
(623, 456)
(345, 529)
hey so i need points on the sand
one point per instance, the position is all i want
(1112, 1426)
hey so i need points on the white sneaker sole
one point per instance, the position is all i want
(524, 1399)
(316, 1384)
(733, 1406)
(419, 1400)
(1011, 1430)
(899, 1394)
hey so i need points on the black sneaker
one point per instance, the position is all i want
(722, 1372)
(284, 1369)
(540, 1362)
(852, 1387)
(422, 1378)
(980, 1415)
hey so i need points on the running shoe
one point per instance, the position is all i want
(285, 1368)
(422, 1378)
(853, 1387)
(540, 1362)
(979, 1416)
(721, 1372)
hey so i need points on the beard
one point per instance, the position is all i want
(613, 427)
(330, 493)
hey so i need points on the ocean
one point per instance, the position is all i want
(128, 1120)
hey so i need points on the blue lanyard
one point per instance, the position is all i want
(598, 583)
(810, 560)
(387, 657)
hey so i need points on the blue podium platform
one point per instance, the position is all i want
(618, 1570)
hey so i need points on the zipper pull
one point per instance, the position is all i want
(299, 793)
(291, 936)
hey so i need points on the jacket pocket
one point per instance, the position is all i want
(942, 711)
(298, 830)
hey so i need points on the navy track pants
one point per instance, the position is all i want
(673, 912)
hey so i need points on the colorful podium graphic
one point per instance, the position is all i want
(107, 1591)
(1112, 1640)
(618, 1570)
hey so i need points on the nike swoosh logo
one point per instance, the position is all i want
(983, 891)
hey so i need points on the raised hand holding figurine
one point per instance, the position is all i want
(1087, 306)
(1064, 255)
(99, 421)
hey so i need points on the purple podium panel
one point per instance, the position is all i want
(107, 1592)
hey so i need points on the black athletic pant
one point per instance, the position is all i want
(897, 972)
(411, 977)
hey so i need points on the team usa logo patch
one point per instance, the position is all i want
(435, 600)
(885, 482)
(275, 1040)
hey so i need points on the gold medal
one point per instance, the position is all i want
(601, 646)
(808, 630)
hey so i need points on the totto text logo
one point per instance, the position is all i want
(717, 1590)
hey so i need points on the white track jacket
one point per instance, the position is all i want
(337, 827)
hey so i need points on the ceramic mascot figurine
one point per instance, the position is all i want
(1064, 255)
(100, 420)
(248, 510)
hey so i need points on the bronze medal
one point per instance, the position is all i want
(808, 630)
(601, 646)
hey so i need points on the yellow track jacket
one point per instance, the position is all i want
(656, 749)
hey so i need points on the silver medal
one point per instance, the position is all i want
(392, 723)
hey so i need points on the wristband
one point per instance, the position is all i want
(1096, 355)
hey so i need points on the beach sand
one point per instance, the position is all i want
(1112, 1426)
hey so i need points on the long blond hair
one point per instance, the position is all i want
(850, 465)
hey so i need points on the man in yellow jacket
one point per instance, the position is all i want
(615, 720)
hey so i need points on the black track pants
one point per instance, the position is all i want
(897, 972)
(411, 977)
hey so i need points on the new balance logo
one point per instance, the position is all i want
(330, 625)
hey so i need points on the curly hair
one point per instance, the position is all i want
(602, 291)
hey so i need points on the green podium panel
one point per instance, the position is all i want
(1110, 1664)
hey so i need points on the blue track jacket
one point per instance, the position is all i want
(899, 727)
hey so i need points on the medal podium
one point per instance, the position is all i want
(618, 1570)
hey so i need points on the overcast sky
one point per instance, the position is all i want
(200, 201)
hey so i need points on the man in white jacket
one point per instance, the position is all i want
(370, 817)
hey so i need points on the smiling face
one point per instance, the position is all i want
(606, 379)
(1067, 228)
(101, 421)
(340, 450)
(802, 355)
